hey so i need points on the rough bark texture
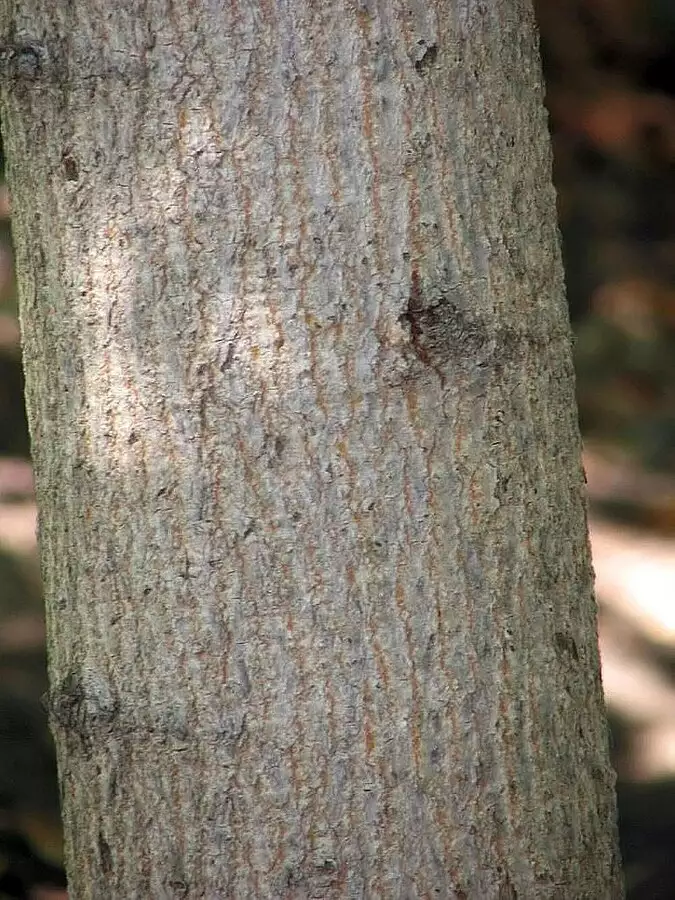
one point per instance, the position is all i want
(320, 607)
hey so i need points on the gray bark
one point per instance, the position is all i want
(312, 520)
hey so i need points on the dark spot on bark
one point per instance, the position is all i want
(445, 331)
(229, 356)
(438, 329)
(566, 645)
(23, 62)
(326, 865)
(104, 854)
(80, 712)
(70, 166)
(506, 888)
(111, 789)
(426, 56)
(65, 699)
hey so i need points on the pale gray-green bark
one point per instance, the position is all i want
(312, 522)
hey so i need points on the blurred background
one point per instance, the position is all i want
(610, 70)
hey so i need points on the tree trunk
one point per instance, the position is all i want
(312, 520)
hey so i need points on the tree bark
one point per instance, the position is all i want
(312, 520)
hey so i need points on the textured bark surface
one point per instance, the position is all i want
(320, 608)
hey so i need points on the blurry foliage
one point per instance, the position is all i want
(14, 436)
(610, 69)
(30, 836)
(13, 584)
(610, 72)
